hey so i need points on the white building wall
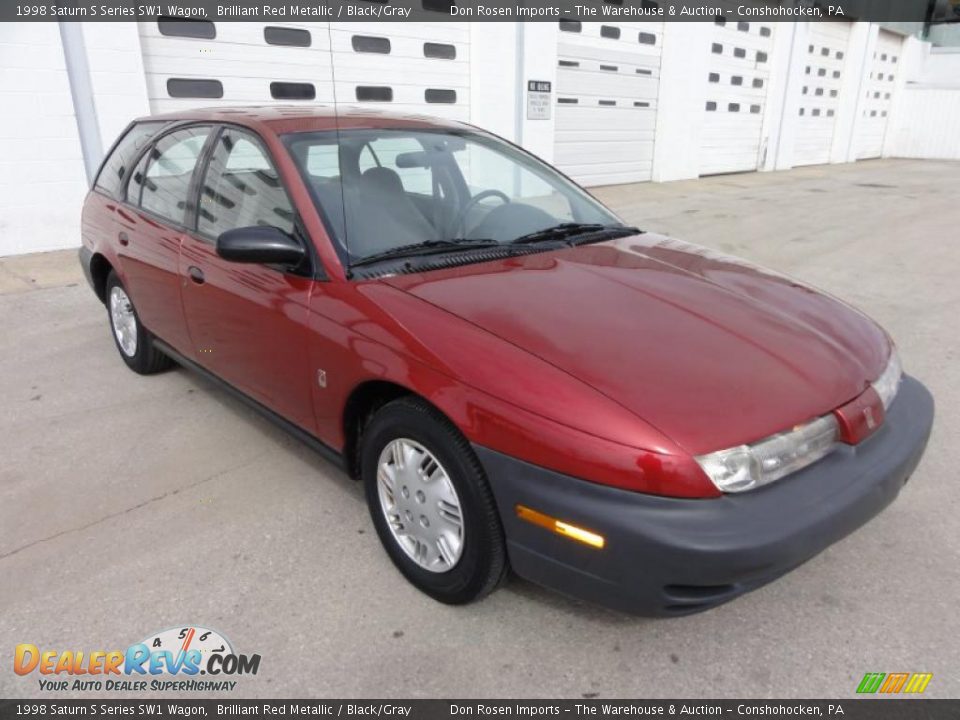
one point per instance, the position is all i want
(937, 66)
(927, 127)
(42, 178)
(493, 78)
(926, 115)
(537, 49)
(684, 65)
(115, 64)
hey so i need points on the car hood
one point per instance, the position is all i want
(710, 350)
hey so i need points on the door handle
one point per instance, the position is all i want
(123, 238)
(196, 274)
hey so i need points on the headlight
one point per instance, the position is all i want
(748, 467)
(751, 466)
(889, 381)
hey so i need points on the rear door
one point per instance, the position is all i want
(150, 227)
(247, 322)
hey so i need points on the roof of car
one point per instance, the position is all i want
(305, 118)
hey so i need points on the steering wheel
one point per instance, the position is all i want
(471, 203)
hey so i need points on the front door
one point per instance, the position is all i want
(248, 322)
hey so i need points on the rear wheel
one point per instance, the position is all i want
(431, 504)
(133, 340)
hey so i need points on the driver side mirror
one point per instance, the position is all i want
(260, 244)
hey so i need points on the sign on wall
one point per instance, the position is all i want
(538, 99)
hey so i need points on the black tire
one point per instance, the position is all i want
(482, 563)
(146, 359)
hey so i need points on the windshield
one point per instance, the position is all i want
(382, 192)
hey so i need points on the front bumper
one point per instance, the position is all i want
(671, 556)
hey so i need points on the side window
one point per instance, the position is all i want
(242, 188)
(123, 154)
(169, 169)
(135, 181)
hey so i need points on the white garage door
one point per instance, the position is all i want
(823, 75)
(607, 83)
(199, 63)
(872, 128)
(737, 81)
(408, 67)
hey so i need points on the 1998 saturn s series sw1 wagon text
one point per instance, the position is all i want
(518, 378)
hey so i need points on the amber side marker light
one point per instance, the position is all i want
(560, 527)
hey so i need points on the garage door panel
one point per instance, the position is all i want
(601, 174)
(824, 64)
(403, 93)
(237, 61)
(422, 31)
(878, 95)
(731, 129)
(639, 57)
(748, 69)
(400, 46)
(240, 58)
(737, 82)
(374, 73)
(586, 152)
(230, 34)
(406, 71)
(583, 122)
(580, 84)
(236, 91)
(607, 91)
(239, 68)
(585, 138)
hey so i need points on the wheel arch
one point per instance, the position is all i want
(100, 269)
(364, 400)
(361, 405)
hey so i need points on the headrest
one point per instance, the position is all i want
(383, 178)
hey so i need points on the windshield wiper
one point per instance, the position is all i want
(569, 230)
(427, 247)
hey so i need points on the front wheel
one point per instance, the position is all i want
(133, 340)
(431, 504)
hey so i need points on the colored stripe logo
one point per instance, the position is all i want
(892, 683)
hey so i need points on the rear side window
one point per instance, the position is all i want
(118, 164)
(242, 188)
(170, 165)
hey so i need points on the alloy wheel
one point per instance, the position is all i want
(124, 321)
(420, 505)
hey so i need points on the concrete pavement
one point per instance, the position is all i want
(129, 504)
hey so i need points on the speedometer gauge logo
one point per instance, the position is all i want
(183, 640)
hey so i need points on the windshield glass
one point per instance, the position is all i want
(383, 190)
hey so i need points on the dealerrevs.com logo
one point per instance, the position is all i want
(179, 659)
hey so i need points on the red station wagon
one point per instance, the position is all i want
(519, 379)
